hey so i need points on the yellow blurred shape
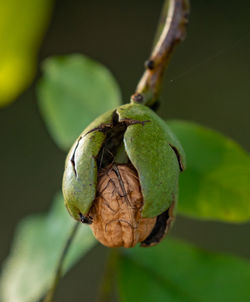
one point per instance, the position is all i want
(22, 25)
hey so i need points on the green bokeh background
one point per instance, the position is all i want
(208, 81)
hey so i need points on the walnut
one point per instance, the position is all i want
(123, 168)
(116, 211)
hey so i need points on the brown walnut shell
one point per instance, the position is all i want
(116, 211)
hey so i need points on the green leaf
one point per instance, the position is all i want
(74, 90)
(175, 271)
(22, 25)
(30, 268)
(215, 185)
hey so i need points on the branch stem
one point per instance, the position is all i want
(175, 14)
(50, 295)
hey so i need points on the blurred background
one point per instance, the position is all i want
(208, 81)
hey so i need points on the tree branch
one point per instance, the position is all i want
(50, 295)
(175, 14)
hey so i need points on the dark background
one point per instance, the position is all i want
(208, 81)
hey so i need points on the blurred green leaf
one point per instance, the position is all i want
(178, 272)
(38, 244)
(22, 25)
(74, 90)
(216, 184)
